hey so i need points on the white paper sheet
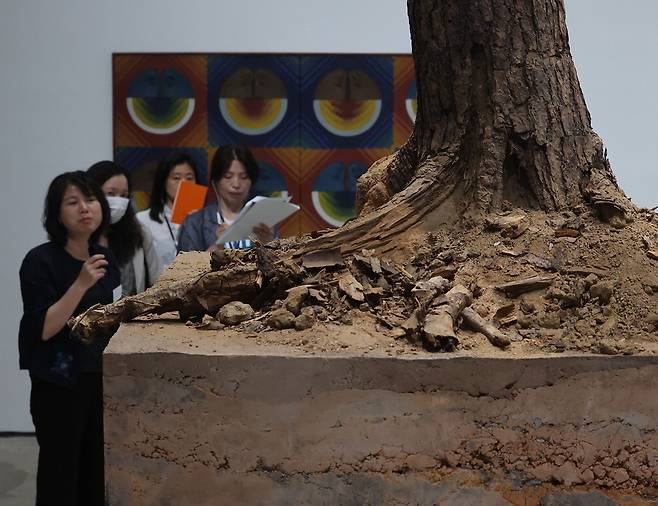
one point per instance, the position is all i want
(267, 210)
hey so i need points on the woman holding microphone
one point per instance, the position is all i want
(61, 279)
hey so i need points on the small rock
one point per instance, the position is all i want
(567, 474)
(549, 321)
(619, 475)
(281, 319)
(607, 461)
(602, 290)
(590, 280)
(398, 333)
(524, 321)
(321, 313)
(586, 476)
(209, 323)
(304, 321)
(509, 226)
(554, 293)
(426, 290)
(295, 299)
(412, 324)
(583, 327)
(652, 320)
(609, 326)
(527, 307)
(607, 347)
(346, 320)
(599, 471)
(235, 312)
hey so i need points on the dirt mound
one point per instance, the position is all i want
(546, 283)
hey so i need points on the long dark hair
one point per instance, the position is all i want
(159, 189)
(125, 236)
(225, 156)
(53, 204)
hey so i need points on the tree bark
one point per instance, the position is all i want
(501, 122)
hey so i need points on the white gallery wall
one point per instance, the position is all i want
(56, 105)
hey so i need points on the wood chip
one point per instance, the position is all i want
(477, 323)
(515, 288)
(323, 258)
(566, 232)
(447, 271)
(586, 271)
(375, 265)
(351, 287)
(509, 252)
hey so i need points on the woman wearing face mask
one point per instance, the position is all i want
(233, 173)
(61, 279)
(171, 171)
(131, 244)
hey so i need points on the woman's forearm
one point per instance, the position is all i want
(60, 312)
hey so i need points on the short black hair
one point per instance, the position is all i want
(225, 156)
(125, 236)
(159, 189)
(53, 205)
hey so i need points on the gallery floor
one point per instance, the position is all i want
(18, 465)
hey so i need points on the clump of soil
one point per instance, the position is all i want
(545, 283)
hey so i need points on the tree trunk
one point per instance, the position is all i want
(501, 122)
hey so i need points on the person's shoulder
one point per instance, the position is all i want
(144, 216)
(147, 234)
(41, 254)
(46, 249)
(199, 215)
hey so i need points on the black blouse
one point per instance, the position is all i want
(46, 274)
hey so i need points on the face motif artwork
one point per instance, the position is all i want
(80, 214)
(180, 172)
(234, 186)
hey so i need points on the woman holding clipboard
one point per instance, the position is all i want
(234, 171)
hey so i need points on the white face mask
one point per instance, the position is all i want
(118, 206)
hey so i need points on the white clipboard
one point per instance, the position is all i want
(267, 210)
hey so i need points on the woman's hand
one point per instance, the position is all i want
(92, 270)
(221, 228)
(263, 233)
(58, 314)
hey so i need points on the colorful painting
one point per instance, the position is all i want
(160, 101)
(346, 101)
(253, 100)
(328, 184)
(314, 123)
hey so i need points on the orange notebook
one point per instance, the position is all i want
(190, 197)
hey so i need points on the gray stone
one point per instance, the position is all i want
(235, 312)
(602, 290)
(304, 321)
(295, 299)
(281, 319)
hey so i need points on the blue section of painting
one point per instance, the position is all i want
(270, 180)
